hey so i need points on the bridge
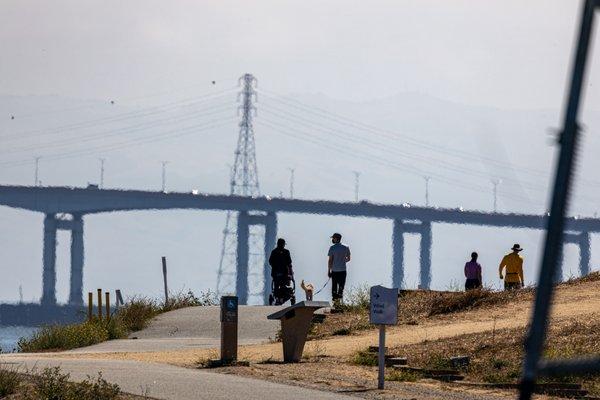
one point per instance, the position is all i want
(65, 208)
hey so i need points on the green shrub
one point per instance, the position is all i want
(189, 299)
(95, 389)
(10, 380)
(357, 298)
(65, 337)
(365, 357)
(52, 384)
(402, 375)
(136, 313)
(437, 361)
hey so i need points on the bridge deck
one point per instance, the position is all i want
(51, 200)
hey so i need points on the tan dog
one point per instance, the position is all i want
(308, 290)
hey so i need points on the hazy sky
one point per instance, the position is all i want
(511, 53)
(499, 67)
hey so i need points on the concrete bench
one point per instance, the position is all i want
(295, 323)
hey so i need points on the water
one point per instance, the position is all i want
(10, 335)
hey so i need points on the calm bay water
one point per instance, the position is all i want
(10, 335)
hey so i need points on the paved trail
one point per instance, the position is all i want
(196, 327)
(167, 382)
(192, 328)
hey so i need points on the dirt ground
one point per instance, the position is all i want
(327, 360)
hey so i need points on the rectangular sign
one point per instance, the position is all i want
(229, 309)
(384, 306)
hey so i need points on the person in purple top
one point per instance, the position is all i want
(473, 273)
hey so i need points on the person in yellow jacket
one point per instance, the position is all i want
(513, 262)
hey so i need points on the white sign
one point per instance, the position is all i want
(384, 306)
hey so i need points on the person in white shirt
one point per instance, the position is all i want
(339, 255)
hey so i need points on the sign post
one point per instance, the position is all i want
(229, 329)
(384, 311)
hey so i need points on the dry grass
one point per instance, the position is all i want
(416, 306)
(53, 384)
(10, 381)
(591, 277)
(496, 356)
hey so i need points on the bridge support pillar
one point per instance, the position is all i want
(270, 243)
(243, 233)
(585, 245)
(49, 261)
(398, 254)
(77, 256)
(583, 241)
(425, 255)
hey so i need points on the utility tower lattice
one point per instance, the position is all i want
(244, 182)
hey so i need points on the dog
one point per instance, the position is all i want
(308, 290)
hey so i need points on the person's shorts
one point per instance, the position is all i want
(471, 284)
(512, 285)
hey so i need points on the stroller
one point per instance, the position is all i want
(283, 288)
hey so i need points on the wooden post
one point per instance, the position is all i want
(164, 268)
(90, 305)
(100, 304)
(107, 296)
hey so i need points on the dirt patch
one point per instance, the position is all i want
(489, 329)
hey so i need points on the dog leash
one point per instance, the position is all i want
(320, 290)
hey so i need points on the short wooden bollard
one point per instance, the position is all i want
(90, 305)
(100, 304)
(107, 296)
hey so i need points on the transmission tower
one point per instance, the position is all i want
(243, 182)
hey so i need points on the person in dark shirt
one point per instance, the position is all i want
(280, 262)
(473, 273)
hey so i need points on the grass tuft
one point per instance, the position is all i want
(402, 375)
(357, 299)
(365, 357)
(10, 380)
(53, 384)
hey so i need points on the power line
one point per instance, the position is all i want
(129, 143)
(355, 153)
(343, 120)
(143, 112)
(103, 135)
(388, 147)
(382, 145)
(111, 103)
